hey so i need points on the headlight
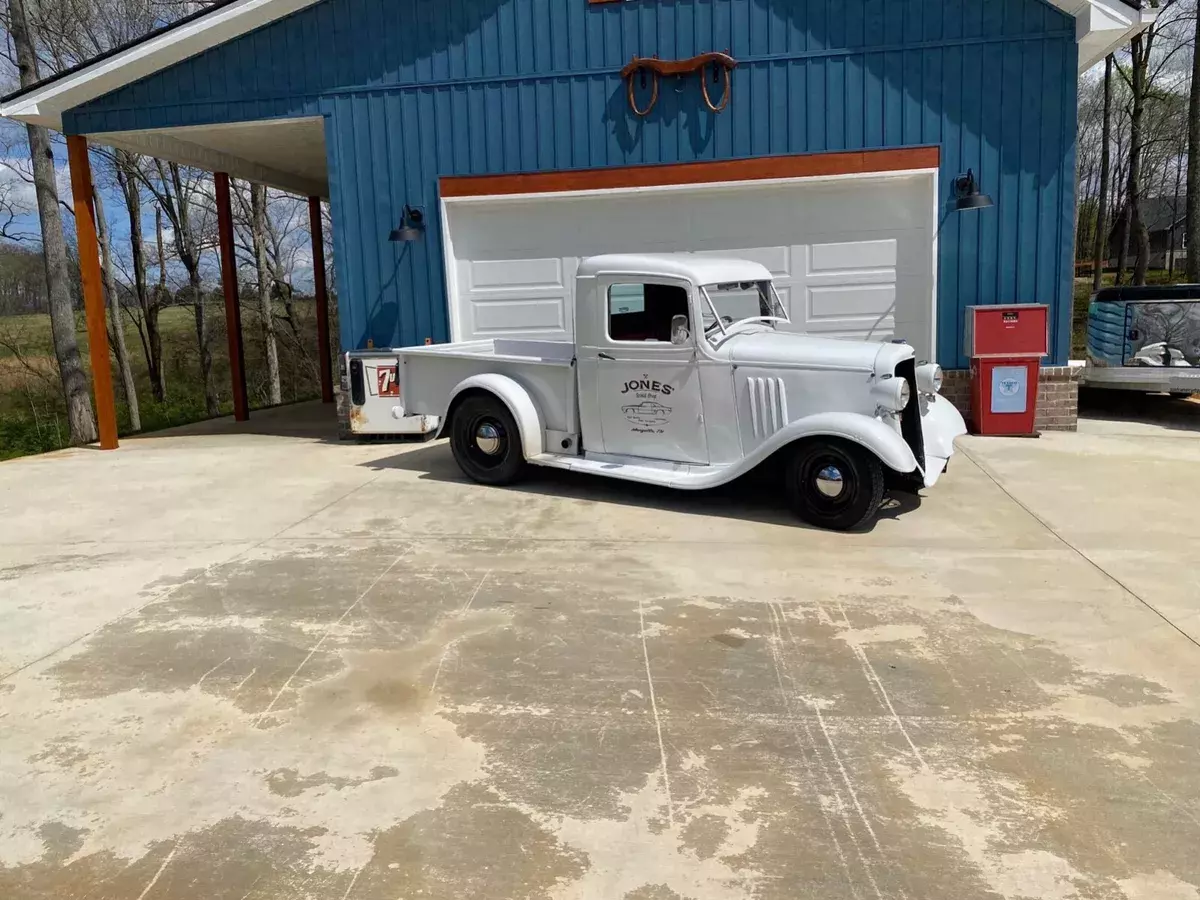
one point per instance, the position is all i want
(892, 393)
(929, 378)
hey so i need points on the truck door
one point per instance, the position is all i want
(647, 389)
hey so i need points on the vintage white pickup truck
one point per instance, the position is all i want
(679, 376)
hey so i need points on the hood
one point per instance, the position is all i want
(777, 348)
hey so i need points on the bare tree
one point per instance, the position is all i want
(258, 231)
(181, 199)
(116, 320)
(128, 168)
(80, 420)
(1192, 228)
(1136, 228)
(1100, 250)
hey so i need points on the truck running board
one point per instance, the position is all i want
(647, 471)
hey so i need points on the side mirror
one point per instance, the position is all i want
(679, 330)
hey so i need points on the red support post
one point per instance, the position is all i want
(233, 309)
(93, 290)
(321, 289)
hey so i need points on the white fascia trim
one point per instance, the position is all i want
(1102, 26)
(166, 146)
(45, 105)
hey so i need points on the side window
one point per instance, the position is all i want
(643, 312)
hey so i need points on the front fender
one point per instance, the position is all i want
(863, 430)
(518, 401)
(941, 423)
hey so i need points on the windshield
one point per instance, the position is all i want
(736, 301)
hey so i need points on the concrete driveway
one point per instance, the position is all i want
(239, 665)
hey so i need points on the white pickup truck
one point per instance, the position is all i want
(679, 376)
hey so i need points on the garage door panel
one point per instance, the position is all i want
(501, 317)
(516, 274)
(853, 256)
(851, 301)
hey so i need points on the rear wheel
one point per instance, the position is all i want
(834, 484)
(486, 441)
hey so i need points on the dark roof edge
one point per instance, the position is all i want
(128, 45)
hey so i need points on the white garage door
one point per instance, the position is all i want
(853, 258)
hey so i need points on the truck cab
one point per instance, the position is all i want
(681, 373)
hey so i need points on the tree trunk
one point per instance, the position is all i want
(117, 325)
(160, 298)
(153, 340)
(1123, 247)
(1138, 233)
(1192, 227)
(189, 254)
(80, 420)
(212, 402)
(1100, 250)
(258, 228)
(1175, 216)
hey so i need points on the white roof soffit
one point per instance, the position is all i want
(45, 105)
(167, 144)
(1102, 26)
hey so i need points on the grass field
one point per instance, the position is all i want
(32, 417)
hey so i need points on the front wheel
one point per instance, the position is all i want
(486, 441)
(834, 484)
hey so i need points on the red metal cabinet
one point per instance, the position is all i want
(1006, 345)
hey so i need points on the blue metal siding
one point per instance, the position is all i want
(414, 90)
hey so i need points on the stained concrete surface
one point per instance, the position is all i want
(251, 665)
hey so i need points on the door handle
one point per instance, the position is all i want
(603, 355)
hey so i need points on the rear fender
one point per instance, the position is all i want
(513, 396)
(857, 428)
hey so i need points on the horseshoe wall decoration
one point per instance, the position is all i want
(651, 67)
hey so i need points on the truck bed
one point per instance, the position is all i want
(546, 369)
(550, 353)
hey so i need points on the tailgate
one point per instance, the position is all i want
(377, 396)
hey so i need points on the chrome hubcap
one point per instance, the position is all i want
(830, 481)
(488, 438)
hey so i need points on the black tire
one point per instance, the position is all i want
(1180, 395)
(809, 479)
(486, 441)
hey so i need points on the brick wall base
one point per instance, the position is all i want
(1057, 402)
(341, 396)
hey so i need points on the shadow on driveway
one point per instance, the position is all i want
(755, 497)
(1175, 413)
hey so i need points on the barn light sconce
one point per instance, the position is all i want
(412, 226)
(967, 194)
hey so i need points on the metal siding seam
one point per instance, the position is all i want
(1066, 281)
